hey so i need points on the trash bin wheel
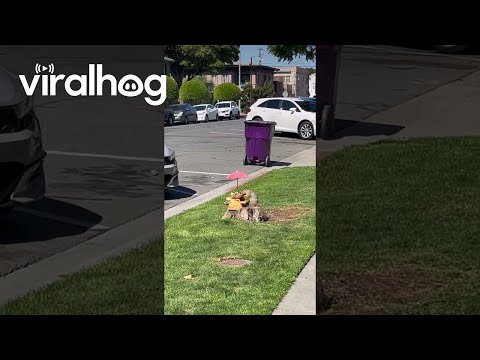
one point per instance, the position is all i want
(245, 160)
(267, 161)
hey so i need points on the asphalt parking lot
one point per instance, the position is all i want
(104, 160)
(207, 152)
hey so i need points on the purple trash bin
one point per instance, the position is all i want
(258, 135)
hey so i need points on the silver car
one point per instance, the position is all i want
(22, 177)
(170, 168)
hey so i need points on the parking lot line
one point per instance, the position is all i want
(202, 173)
(225, 133)
(241, 130)
(103, 156)
(66, 220)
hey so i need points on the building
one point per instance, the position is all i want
(311, 84)
(257, 75)
(295, 80)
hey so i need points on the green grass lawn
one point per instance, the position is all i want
(195, 240)
(399, 227)
(132, 283)
(129, 284)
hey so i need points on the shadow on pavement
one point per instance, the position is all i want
(347, 128)
(36, 223)
(180, 192)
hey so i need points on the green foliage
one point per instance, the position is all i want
(249, 96)
(193, 92)
(193, 60)
(172, 90)
(289, 52)
(227, 92)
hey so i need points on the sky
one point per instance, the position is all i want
(252, 50)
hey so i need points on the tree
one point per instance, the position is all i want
(289, 52)
(193, 92)
(226, 92)
(172, 90)
(193, 60)
(249, 95)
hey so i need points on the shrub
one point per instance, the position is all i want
(227, 92)
(172, 90)
(193, 92)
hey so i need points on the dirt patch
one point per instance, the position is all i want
(286, 214)
(383, 291)
(234, 262)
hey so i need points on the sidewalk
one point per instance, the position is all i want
(300, 299)
(116, 241)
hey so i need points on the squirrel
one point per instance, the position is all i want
(252, 197)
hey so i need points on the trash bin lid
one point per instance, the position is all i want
(262, 123)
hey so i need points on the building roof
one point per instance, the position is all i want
(235, 65)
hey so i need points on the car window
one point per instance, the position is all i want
(287, 105)
(310, 106)
(223, 105)
(199, 107)
(234, 104)
(263, 104)
(273, 104)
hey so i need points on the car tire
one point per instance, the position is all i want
(450, 49)
(305, 130)
(206, 118)
(216, 117)
(257, 118)
(170, 121)
(230, 117)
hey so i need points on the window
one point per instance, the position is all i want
(273, 104)
(287, 78)
(310, 106)
(287, 105)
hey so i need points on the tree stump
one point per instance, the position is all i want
(244, 206)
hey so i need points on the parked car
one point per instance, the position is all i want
(292, 115)
(206, 112)
(228, 109)
(168, 115)
(184, 113)
(170, 168)
(22, 177)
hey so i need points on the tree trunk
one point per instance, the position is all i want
(323, 302)
(328, 61)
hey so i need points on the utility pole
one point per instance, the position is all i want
(240, 77)
(251, 85)
(260, 56)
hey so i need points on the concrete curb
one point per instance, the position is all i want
(112, 243)
(301, 298)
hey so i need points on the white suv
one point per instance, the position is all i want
(228, 109)
(292, 115)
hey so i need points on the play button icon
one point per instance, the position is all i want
(44, 68)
